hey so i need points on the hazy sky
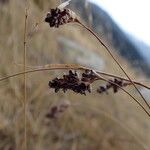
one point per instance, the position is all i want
(132, 15)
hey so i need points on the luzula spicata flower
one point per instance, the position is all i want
(74, 82)
(83, 83)
(60, 15)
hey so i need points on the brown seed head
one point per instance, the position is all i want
(60, 16)
(114, 84)
(73, 82)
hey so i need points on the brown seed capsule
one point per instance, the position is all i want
(89, 76)
(60, 16)
(114, 84)
(73, 82)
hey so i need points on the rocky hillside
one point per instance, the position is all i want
(115, 37)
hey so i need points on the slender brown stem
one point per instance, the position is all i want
(75, 67)
(104, 79)
(117, 62)
(69, 66)
(51, 67)
(115, 76)
(24, 68)
(99, 72)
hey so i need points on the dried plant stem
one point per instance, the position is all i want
(104, 79)
(99, 72)
(102, 43)
(75, 67)
(51, 67)
(24, 68)
(115, 76)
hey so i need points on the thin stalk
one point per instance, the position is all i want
(75, 67)
(25, 81)
(115, 76)
(99, 72)
(117, 62)
(51, 67)
(104, 79)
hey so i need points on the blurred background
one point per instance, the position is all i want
(92, 122)
(132, 18)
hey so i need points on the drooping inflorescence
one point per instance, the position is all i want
(73, 82)
(60, 16)
(81, 85)
(114, 84)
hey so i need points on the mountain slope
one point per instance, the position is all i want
(143, 48)
(110, 31)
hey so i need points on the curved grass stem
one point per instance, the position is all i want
(75, 67)
(104, 79)
(117, 62)
(99, 72)
(25, 80)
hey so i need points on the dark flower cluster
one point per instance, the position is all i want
(114, 84)
(89, 76)
(57, 17)
(73, 82)
(81, 85)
